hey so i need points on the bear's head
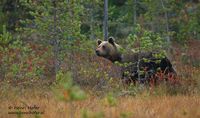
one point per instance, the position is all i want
(108, 49)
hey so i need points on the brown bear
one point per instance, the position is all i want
(139, 67)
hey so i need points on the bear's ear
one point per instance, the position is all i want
(99, 41)
(111, 40)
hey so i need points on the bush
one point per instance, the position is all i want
(21, 62)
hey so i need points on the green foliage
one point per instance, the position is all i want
(110, 100)
(19, 61)
(66, 90)
(125, 114)
(11, 11)
(90, 114)
(5, 37)
(19, 114)
(37, 116)
(83, 18)
(68, 20)
(145, 40)
(58, 23)
(2, 20)
(23, 66)
(187, 26)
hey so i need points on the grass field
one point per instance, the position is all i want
(142, 106)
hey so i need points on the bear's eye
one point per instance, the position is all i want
(104, 47)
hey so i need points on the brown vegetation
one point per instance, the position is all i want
(98, 77)
(143, 106)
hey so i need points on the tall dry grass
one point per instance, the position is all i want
(142, 106)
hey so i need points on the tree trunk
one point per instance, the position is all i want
(55, 40)
(91, 22)
(134, 13)
(166, 21)
(105, 21)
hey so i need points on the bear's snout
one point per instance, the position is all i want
(97, 52)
